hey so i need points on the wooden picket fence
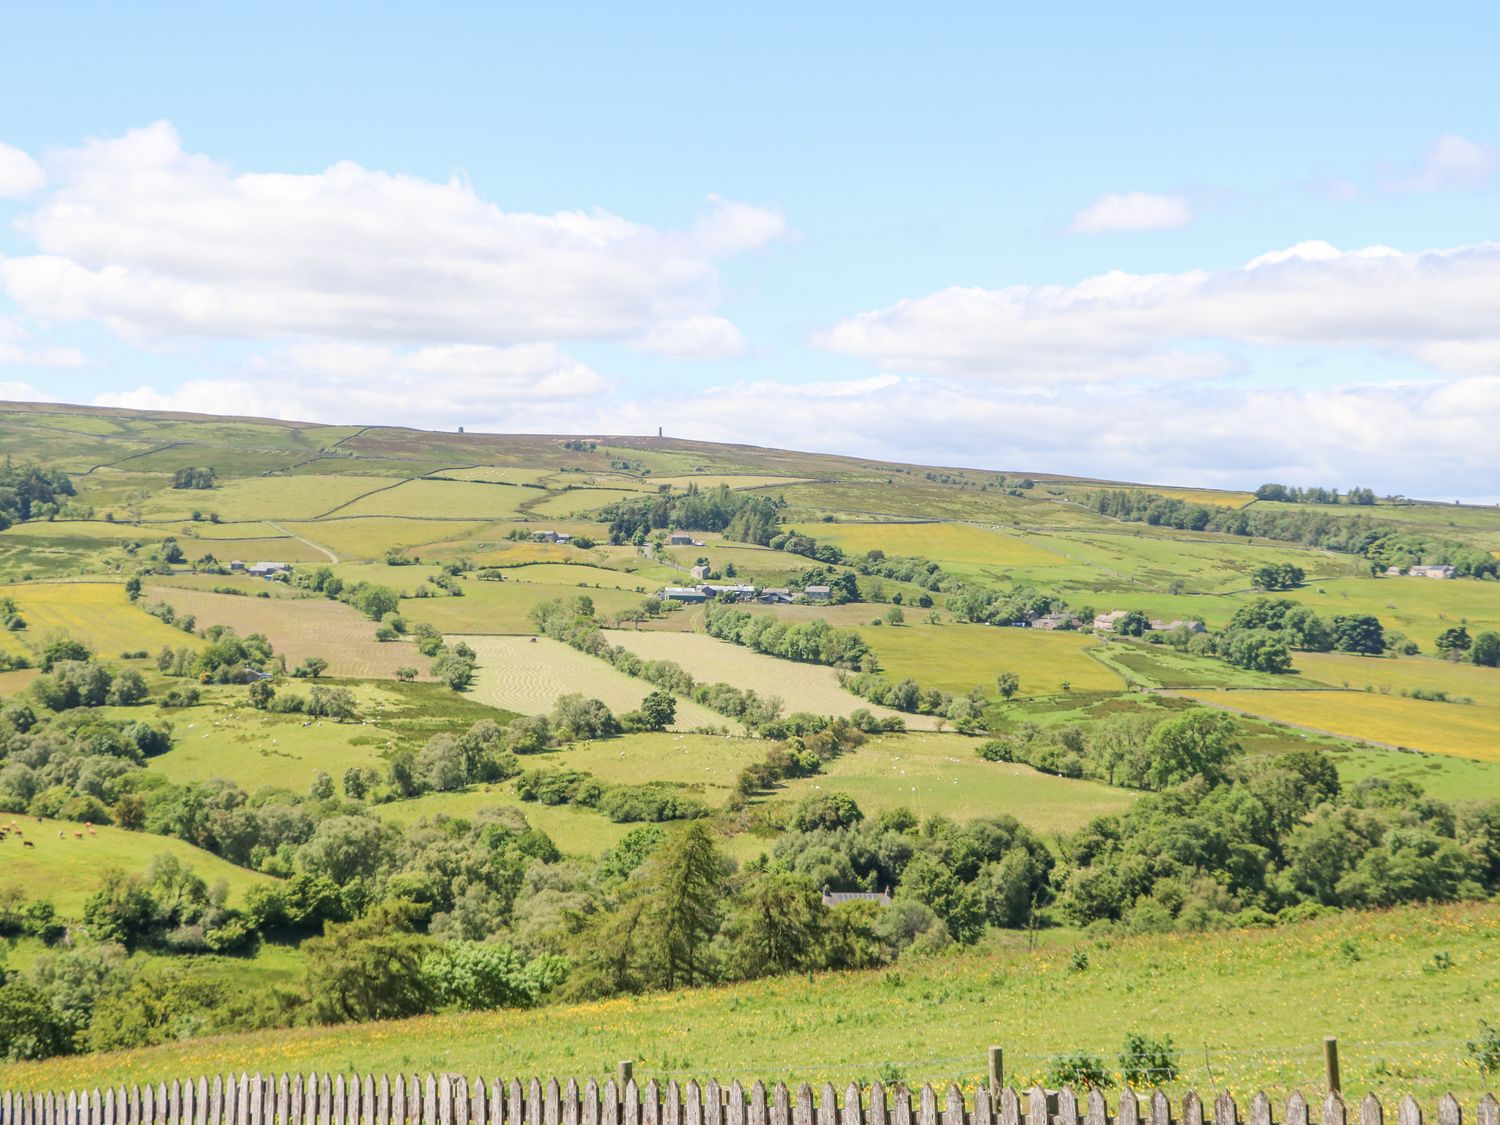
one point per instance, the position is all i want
(450, 1099)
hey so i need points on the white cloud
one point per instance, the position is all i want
(437, 387)
(158, 243)
(693, 337)
(1452, 163)
(19, 173)
(1435, 306)
(1136, 210)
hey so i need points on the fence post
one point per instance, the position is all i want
(626, 1072)
(1331, 1063)
(997, 1070)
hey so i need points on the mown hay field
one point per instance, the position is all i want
(939, 774)
(1239, 998)
(1470, 731)
(372, 537)
(505, 607)
(801, 687)
(944, 542)
(66, 870)
(264, 498)
(528, 674)
(95, 613)
(299, 628)
(957, 657)
(441, 499)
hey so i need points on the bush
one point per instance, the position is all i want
(1148, 1062)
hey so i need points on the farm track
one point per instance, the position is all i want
(328, 554)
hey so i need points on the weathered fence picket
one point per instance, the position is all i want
(456, 1099)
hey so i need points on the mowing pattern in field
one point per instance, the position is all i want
(802, 687)
(1469, 731)
(957, 657)
(528, 674)
(96, 613)
(299, 628)
(65, 869)
(940, 774)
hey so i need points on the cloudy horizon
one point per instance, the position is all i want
(1140, 288)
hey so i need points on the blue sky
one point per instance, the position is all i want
(958, 233)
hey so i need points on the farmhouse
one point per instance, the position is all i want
(700, 572)
(836, 898)
(818, 593)
(1055, 621)
(683, 539)
(1443, 571)
(1105, 622)
(562, 538)
(684, 594)
(267, 569)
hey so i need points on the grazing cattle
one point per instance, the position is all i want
(27, 844)
(78, 835)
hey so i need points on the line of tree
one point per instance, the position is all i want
(812, 642)
(1359, 497)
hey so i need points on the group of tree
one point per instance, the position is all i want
(812, 642)
(745, 516)
(194, 478)
(31, 492)
(1483, 648)
(873, 564)
(1263, 634)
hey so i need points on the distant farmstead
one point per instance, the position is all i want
(1441, 571)
(684, 594)
(1055, 621)
(683, 539)
(818, 593)
(267, 569)
(1106, 622)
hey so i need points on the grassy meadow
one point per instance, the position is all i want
(1247, 1010)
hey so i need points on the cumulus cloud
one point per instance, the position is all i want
(1451, 163)
(437, 386)
(693, 337)
(19, 173)
(1136, 210)
(157, 242)
(1434, 306)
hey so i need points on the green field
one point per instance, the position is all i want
(940, 774)
(96, 613)
(574, 574)
(1236, 1005)
(957, 657)
(947, 542)
(262, 498)
(65, 869)
(438, 499)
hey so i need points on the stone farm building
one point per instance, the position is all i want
(1442, 571)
